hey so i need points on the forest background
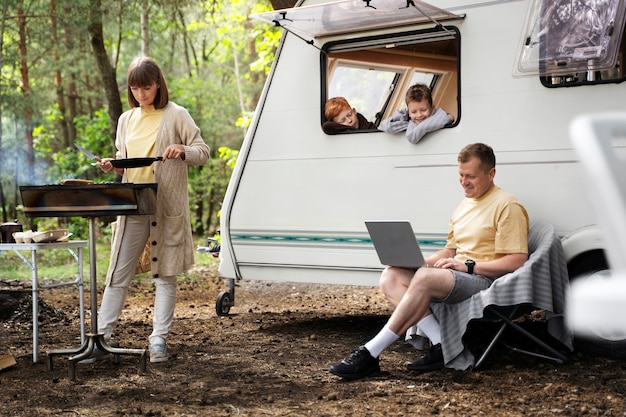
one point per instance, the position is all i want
(63, 67)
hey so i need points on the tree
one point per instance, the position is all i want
(3, 19)
(215, 61)
(28, 132)
(58, 78)
(145, 28)
(107, 72)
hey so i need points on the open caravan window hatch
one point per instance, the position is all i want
(352, 16)
(374, 71)
(573, 42)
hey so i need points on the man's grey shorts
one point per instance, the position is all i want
(465, 285)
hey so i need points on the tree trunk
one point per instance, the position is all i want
(145, 28)
(107, 72)
(58, 78)
(188, 45)
(71, 112)
(28, 130)
(5, 9)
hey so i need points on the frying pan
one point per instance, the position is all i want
(122, 163)
(134, 162)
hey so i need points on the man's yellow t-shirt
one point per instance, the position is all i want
(489, 227)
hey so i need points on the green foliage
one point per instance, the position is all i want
(68, 162)
(211, 186)
(215, 61)
(265, 47)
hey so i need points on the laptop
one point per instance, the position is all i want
(395, 243)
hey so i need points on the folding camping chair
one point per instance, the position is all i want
(540, 283)
(541, 240)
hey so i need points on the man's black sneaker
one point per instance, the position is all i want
(431, 361)
(358, 364)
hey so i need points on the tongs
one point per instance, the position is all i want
(89, 154)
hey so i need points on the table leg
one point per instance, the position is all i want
(35, 286)
(81, 292)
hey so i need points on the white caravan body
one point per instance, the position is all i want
(298, 198)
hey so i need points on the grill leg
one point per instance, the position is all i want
(94, 340)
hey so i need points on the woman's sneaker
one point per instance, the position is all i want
(158, 353)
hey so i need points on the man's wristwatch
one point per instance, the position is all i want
(470, 266)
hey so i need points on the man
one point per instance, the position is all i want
(487, 238)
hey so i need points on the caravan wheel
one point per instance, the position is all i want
(584, 265)
(223, 303)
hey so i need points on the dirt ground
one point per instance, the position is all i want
(270, 357)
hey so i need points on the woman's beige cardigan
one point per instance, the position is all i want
(171, 241)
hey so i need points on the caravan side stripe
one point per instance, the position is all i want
(307, 238)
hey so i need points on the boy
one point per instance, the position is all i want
(419, 118)
(341, 117)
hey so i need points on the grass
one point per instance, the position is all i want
(59, 264)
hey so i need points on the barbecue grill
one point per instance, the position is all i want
(90, 201)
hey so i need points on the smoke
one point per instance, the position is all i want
(15, 169)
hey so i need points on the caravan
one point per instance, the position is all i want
(512, 73)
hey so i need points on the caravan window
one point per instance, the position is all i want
(615, 74)
(571, 43)
(373, 74)
(370, 93)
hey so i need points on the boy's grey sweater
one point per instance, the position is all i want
(414, 131)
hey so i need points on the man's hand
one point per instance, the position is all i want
(450, 263)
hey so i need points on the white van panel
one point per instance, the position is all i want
(295, 208)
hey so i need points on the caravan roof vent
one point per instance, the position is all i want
(569, 36)
(353, 16)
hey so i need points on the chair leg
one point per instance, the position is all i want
(557, 356)
(488, 349)
(493, 342)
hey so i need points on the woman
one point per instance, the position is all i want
(153, 126)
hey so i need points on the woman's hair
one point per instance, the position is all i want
(334, 106)
(481, 151)
(419, 92)
(143, 72)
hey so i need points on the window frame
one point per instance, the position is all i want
(590, 75)
(374, 42)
